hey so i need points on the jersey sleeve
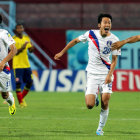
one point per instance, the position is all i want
(83, 38)
(116, 52)
(7, 38)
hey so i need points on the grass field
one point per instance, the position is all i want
(63, 116)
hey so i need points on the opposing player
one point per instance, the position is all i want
(6, 42)
(117, 45)
(21, 65)
(99, 68)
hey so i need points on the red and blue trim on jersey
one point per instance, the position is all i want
(6, 69)
(95, 41)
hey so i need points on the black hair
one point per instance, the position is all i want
(18, 24)
(0, 19)
(101, 16)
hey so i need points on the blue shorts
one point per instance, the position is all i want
(23, 75)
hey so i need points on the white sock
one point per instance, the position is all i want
(103, 118)
(10, 99)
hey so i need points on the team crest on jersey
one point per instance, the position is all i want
(109, 43)
(8, 35)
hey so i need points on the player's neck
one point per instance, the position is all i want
(104, 35)
(19, 35)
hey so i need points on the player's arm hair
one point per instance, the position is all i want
(12, 52)
(132, 39)
(117, 45)
(113, 64)
(70, 45)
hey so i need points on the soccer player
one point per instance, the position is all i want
(99, 68)
(6, 42)
(117, 45)
(21, 65)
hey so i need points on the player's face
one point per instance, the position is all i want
(19, 29)
(105, 26)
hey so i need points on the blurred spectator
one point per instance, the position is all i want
(21, 65)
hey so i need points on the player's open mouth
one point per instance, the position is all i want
(106, 29)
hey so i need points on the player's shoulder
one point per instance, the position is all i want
(26, 36)
(113, 36)
(94, 32)
(3, 31)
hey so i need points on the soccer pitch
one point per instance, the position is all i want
(64, 116)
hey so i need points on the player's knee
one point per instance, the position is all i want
(18, 84)
(4, 95)
(105, 105)
(90, 106)
(90, 101)
(28, 85)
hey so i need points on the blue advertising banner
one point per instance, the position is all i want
(56, 80)
(75, 80)
(78, 55)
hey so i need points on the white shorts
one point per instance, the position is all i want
(5, 82)
(95, 84)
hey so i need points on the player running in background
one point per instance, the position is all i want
(99, 68)
(6, 42)
(21, 65)
(117, 45)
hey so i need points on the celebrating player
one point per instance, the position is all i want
(117, 45)
(21, 64)
(99, 68)
(6, 42)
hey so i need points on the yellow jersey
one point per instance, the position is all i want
(21, 60)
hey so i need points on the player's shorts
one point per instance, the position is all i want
(23, 75)
(95, 84)
(5, 81)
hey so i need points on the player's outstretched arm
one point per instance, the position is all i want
(112, 68)
(68, 46)
(117, 45)
(10, 55)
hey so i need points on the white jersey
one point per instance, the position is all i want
(99, 51)
(5, 41)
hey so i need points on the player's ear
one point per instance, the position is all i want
(99, 25)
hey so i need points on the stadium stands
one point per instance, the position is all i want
(54, 17)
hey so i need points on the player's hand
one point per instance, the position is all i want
(25, 44)
(117, 45)
(108, 79)
(58, 55)
(31, 49)
(2, 66)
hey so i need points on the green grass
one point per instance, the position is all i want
(63, 116)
